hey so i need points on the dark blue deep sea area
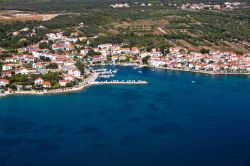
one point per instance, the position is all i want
(178, 119)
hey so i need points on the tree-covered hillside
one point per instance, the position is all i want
(153, 26)
(77, 5)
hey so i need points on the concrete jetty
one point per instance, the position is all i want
(116, 82)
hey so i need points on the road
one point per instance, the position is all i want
(160, 29)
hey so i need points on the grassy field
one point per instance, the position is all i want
(13, 15)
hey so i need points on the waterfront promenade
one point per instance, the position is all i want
(91, 80)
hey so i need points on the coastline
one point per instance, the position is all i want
(172, 69)
(201, 72)
(90, 81)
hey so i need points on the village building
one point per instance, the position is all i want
(22, 70)
(46, 84)
(38, 81)
(7, 67)
(6, 74)
(38, 66)
(68, 77)
(63, 82)
(4, 82)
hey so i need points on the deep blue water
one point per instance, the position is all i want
(170, 122)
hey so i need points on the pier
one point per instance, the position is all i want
(116, 82)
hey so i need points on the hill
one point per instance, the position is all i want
(77, 5)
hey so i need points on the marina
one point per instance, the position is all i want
(105, 73)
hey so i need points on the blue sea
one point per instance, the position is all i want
(178, 119)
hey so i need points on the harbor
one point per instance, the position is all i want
(106, 74)
(91, 80)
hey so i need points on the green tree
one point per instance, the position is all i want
(70, 84)
(52, 77)
(45, 59)
(204, 51)
(1, 64)
(80, 65)
(93, 53)
(145, 59)
(56, 86)
(44, 45)
(52, 66)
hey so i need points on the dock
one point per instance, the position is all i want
(116, 82)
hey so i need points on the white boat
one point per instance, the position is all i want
(104, 76)
(115, 71)
(137, 67)
(100, 70)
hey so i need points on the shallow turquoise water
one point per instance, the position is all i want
(171, 121)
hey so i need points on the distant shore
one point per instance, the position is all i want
(201, 72)
(172, 69)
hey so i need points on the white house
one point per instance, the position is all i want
(10, 60)
(52, 36)
(39, 81)
(68, 77)
(38, 66)
(63, 82)
(144, 54)
(155, 61)
(104, 46)
(30, 59)
(22, 71)
(6, 67)
(134, 51)
(84, 51)
(76, 73)
(69, 62)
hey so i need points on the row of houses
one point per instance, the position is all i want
(213, 61)
(46, 84)
(177, 57)
(224, 6)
